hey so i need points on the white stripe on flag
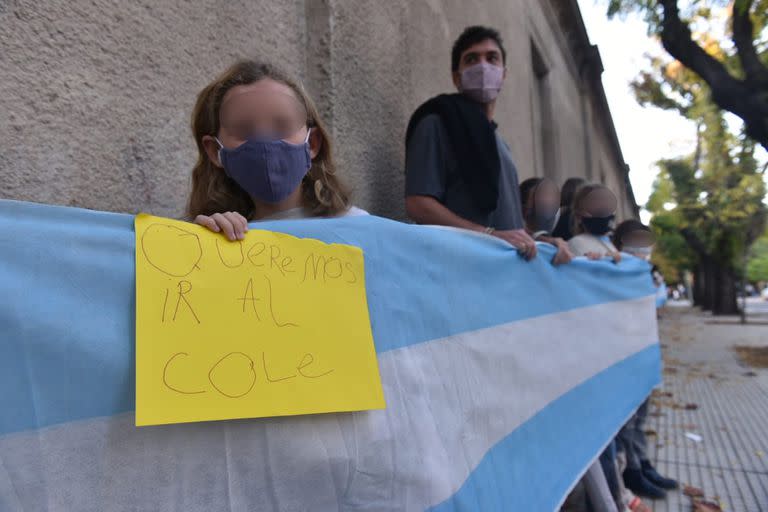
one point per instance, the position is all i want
(448, 402)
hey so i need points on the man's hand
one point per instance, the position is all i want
(521, 240)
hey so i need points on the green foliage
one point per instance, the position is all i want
(671, 254)
(757, 269)
(715, 194)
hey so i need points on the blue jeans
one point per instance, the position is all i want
(632, 439)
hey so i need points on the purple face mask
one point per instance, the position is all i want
(268, 169)
(481, 82)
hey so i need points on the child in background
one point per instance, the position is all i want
(540, 212)
(263, 153)
(635, 238)
(594, 209)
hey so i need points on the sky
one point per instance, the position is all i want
(646, 134)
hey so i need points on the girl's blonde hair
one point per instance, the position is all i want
(213, 191)
(579, 203)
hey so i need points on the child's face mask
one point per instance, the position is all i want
(644, 253)
(267, 169)
(598, 226)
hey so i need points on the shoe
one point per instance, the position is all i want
(650, 474)
(638, 484)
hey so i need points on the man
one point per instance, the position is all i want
(459, 171)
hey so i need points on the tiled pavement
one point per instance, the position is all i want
(723, 403)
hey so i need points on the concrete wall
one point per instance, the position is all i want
(96, 96)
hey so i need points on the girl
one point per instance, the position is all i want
(594, 209)
(263, 153)
(565, 223)
(540, 198)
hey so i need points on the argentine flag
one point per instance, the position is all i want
(504, 380)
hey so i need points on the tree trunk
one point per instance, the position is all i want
(698, 285)
(710, 284)
(715, 282)
(725, 296)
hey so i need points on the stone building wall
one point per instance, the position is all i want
(96, 95)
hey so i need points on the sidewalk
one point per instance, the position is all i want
(708, 427)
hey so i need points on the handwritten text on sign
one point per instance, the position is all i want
(272, 325)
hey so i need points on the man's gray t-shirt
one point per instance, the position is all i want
(432, 170)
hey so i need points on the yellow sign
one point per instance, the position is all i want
(271, 325)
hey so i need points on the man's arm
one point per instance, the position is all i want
(428, 210)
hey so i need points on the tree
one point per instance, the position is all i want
(711, 202)
(712, 199)
(736, 76)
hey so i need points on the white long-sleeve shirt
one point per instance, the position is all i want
(585, 243)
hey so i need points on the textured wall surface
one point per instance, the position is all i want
(96, 95)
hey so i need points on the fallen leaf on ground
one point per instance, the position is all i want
(651, 432)
(750, 374)
(691, 407)
(693, 492)
(706, 506)
(752, 356)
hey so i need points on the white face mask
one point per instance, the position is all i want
(640, 252)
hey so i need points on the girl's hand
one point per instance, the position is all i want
(564, 254)
(594, 256)
(234, 225)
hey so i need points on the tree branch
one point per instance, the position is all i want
(677, 40)
(697, 153)
(743, 38)
(728, 92)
